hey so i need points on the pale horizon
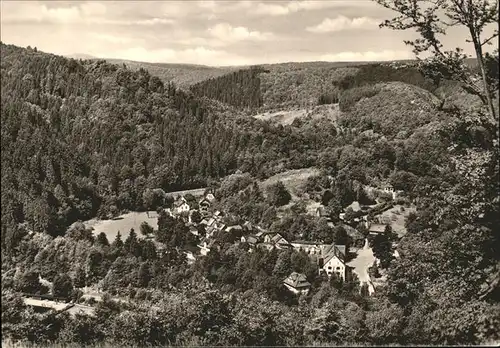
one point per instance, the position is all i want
(212, 33)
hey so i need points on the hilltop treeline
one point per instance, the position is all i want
(350, 88)
(382, 72)
(240, 89)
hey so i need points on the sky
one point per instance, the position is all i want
(216, 33)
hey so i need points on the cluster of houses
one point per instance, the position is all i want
(375, 224)
(330, 258)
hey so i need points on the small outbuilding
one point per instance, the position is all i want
(297, 283)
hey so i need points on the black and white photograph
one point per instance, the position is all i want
(240, 173)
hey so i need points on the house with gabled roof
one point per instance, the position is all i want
(206, 245)
(210, 197)
(332, 261)
(276, 240)
(297, 283)
(375, 229)
(181, 206)
(214, 226)
(251, 240)
(248, 226)
(260, 234)
(218, 215)
(211, 222)
(193, 230)
(322, 212)
(204, 206)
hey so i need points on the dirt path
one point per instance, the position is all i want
(361, 263)
(58, 306)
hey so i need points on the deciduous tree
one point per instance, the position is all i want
(431, 19)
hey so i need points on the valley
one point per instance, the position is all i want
(328, 198)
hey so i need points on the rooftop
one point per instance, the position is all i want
(297, 280)
(354, 206)
(251, 240)
(306, 242)
(334, 250)
(377, 228)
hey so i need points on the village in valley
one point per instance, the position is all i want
(362, 223)
(209, 228)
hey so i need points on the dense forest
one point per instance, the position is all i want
(81, 138)
(240, 89)
(87, 138)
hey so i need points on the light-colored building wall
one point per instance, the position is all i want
(335, 265)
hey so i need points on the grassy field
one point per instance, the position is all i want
(292, 179)
(397, 218)
(286, 117)
(282, 117)
(123, 223)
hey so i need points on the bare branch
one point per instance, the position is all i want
(423, 16)
(490, 38)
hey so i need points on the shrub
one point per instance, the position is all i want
(278, 195)
(63, 286)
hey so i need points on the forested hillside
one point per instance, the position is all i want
(87, 138)
(285, 86)
(240, 89)
(81, 138)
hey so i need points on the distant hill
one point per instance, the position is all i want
(81, 56)
(183, 75)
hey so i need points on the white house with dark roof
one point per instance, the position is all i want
(390, 190)
(181, 206)
(332, 260)
(297, 283)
